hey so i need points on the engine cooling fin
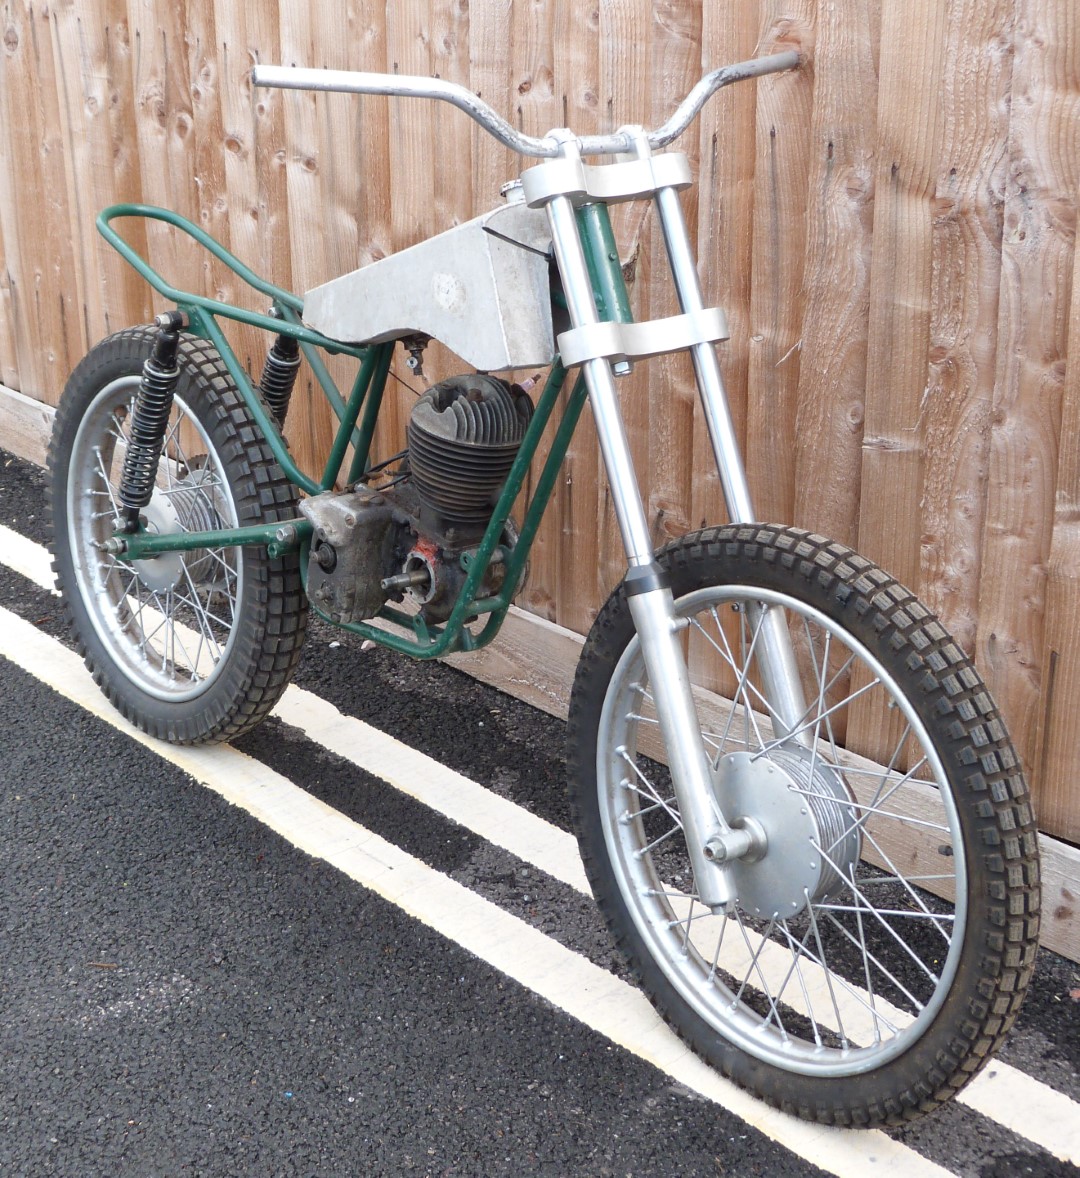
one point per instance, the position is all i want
(463, 436)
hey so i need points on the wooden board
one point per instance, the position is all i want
(1038, 255)
(839, 222)
(534, 661)
(891, 231)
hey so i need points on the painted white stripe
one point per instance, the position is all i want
(495, 819)
(583, 990)
(25, 557)
(1001, 1092)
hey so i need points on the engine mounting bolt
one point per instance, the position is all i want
(285, 535)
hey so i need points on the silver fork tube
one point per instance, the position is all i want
(776, 661)
(651, 604)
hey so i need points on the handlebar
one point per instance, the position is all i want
(402, 85)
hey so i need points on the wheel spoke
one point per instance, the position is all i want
(846, 933)
(167, 634)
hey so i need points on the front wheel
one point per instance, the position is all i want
(880, 945)
(190, 646)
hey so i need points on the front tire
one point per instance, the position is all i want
(191, 647)
(879, 949)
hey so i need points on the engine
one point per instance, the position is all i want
(405, 539)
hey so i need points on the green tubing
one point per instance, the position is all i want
(376, 364)
(207, 326)
(190, 303)
(362, 437)
(151, 212)
(602, 259)
(144, 545)
(365, 399)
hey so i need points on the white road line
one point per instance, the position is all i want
(570, 982)
(31, 560)
(1005, 1094)
(1001, 1092)
(495, 819)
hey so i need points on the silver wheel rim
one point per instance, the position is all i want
(856, 977)
(168, 624)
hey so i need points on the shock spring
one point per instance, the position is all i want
(149, 419)
(279, 376)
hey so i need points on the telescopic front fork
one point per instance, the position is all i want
(711, 841)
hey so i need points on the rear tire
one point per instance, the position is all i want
(881, 946)
(191, 647)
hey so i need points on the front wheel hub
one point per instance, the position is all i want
(810, 824)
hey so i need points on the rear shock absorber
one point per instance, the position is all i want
(149, 418)
(279, 376)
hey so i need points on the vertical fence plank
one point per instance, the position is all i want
(454, 132)
(306, 187)
(725, 231)
(530, 92)
(205, 84)
(372, 181)
(967, 224)
(783, 153)
(163, 120)
(9, 367)
(1036, 287)
(36, 250)
(909, 118)
(251, 122)
(1058, 737)
(491, 56)
(832, 386)
(20, 330)
(98, 126)
(943, 276)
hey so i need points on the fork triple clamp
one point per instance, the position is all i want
(150, 417)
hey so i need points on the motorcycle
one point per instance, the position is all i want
(796, 802)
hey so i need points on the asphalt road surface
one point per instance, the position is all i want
(292, 958)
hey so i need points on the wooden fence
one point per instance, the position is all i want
(891, 231)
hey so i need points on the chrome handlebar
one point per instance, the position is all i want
(401, 85)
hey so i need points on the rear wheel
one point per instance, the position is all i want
(879, 948)
(195, 646)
